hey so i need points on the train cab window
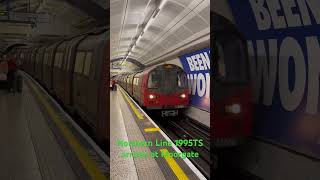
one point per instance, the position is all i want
(87, 64)
(79, 62)
(154, 80)
(182, 80)
(232, 62)
(221, 63)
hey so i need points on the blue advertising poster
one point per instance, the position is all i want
(283, 44)
(197, 67)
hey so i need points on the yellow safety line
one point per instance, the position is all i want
(174, 166)
(135, 110)
(91, 167)
(151, 129)
(172, 163)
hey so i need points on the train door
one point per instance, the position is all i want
(231, 88)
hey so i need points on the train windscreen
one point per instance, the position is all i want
(232, 63)
(154, 79)
(167, 80)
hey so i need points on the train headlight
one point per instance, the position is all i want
(183, 96)
(234, 108)
(151, 96)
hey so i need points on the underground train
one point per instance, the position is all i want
(71, 70)
(159, 87)
(231, 102)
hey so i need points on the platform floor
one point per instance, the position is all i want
(128, 123)
(30, 149)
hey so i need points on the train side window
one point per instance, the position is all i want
(68, 61)
(79, 62)
(154, 80)
(50, 56)
(61, 60)
(135, 81)
(37, 58)
(47, 59)
(56, 59)
(87, 63)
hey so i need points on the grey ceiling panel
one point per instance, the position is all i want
(183, 33)
(204, 14)
(172, 9)
(196, 24)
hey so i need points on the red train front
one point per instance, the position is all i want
(232, 104)
(159, 87)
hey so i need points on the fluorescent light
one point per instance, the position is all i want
(162, 4)
(147, 25)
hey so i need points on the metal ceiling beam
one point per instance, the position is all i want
(92, 9)
(133, 61)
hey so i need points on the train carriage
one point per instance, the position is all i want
(39, 63)
(158, 87)
(72, 70)
(88, 79)
(48, 65)
(32, 60)
(59, 70)
(232, 103)
(68, 66)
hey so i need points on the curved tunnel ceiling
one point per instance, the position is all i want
(54, 19)
(133, 61)
(148, 29)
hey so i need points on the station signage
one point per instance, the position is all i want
(284, 49)
(197, 67)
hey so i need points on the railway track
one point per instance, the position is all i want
(185, 128)
(228, 170)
